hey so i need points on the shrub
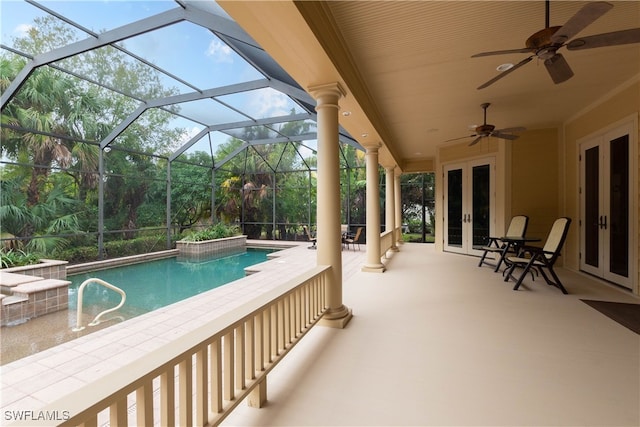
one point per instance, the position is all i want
(216, 231)
(17, 258)
(113, 249)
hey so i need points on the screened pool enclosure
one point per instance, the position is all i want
(125, 124)
(144, 119)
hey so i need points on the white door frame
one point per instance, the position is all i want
(601, 140)
(467, 203)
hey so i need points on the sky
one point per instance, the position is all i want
(186, 50)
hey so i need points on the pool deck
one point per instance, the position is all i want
(37, 380)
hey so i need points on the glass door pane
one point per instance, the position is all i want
(619, 207)
(454, 208)
(592, 206)
(481, 211)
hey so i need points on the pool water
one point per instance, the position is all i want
(155, 284)
(148, 286)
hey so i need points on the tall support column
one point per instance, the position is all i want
(373, 263)
(390, 205)
(328, 200)
(101, 203)
(398, 194)
(168, 205)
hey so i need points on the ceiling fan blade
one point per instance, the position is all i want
(614, 38)
(558, 68)
(504, 136)
(475, 141)
(511, 130)
(462, 137)
(581, 20)
(504, 73)
(504, 52)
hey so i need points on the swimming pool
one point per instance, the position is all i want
(149, 286)
(154, 284)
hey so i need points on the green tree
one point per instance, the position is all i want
(418, 200)
(49, 120)
(191, 190)
(50, 216)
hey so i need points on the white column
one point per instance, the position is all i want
(389, 203)
(373, 263)
(328, 200)
(398, 194)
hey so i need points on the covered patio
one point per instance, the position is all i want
(435, 340)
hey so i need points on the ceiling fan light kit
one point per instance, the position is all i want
(544, 44)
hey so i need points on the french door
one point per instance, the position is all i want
(605, 206)
(469, 192)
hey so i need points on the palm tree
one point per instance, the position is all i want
(19, 223)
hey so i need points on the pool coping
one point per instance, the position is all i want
(115, 262)
(36, 380)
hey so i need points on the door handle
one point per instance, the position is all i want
(602, 222)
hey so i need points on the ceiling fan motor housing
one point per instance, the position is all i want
(485, 130)
(541, 39)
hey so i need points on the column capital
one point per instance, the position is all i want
(371, 146)
(327, 89)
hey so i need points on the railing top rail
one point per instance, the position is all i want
(130, 377)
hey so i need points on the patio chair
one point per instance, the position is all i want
(517, 228)
(533, 258)
(353, 240)
(310, 238)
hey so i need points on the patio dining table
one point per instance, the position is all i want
(514, 244)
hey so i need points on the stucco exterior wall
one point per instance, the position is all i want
(535, 180)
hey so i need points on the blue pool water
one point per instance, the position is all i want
(149, 286)
(154, 284)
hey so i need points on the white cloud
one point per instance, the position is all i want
(267, 103)
(22, 29)
(220, 52)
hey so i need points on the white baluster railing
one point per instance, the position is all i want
(214, 366)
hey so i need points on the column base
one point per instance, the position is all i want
(373, 268)
(336, 320)
(394, 249)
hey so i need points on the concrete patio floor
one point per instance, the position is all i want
(435, 340)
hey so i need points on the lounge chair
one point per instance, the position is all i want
(541, 259)
(310, 238)
(353, 240)
(517, 228)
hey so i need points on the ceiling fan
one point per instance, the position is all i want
(545, 43)
(486, 130)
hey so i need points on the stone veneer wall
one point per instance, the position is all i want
(196, 250)
(47, 269)
(48, 292)
(36, 299)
